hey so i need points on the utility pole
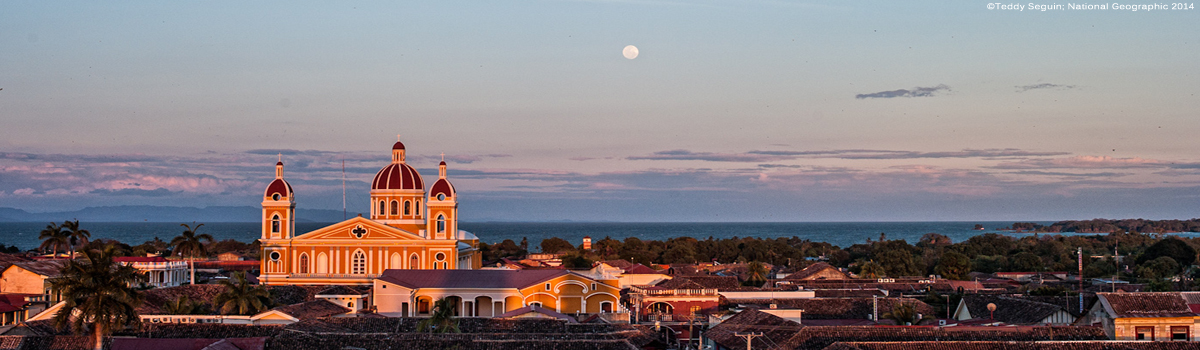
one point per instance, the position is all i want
(1080, 280)
(749, 337)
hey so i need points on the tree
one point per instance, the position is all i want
(556, 245)
(184, 306)
(680, 253)
(240, 298)
(756, 274)
(1175, 248)
(1027, 262)
(99, 293)
(871, 269)
(441, 320)
(953, 265)
(898, 263)
(54, 237)
(75, 236)
(905, 314)
(189, 245)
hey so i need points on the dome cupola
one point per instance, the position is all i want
(279, 189)
(442, 189)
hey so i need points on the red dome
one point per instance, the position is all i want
(398, 145)
(283, 188)
(442, 187)
(398, 176)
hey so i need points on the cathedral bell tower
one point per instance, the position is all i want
(443, 208)
(279, 207)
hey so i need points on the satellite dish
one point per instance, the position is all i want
(991, 307)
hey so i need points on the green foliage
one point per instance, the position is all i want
(871, 269)
(1177, 249)
(100, 291)
(1026, 262)
(54, 238)
(242, 298)
(441, 320)
(1103, 269)
(576, 260)
(184, 306)
(989, 263)
(556, 245)
(756, 274)
(1049, 291)
(76, 236)
(953, 266)
(191, 245)
(905, 314)
(1158, 269)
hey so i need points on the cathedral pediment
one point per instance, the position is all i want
(359, 229)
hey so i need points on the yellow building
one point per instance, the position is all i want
(1146, 316)
(489, 293)
(407, 229)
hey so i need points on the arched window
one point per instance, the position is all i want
(418, 208)
(414, 263)
(407, 208)
(358, 263)
(440, 261)
(441, 223)
(275, 224)
(303, 263)
(605, 306)
(382, 208)
(322, 263)
(395, 207)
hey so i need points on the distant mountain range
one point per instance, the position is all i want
(149, 213)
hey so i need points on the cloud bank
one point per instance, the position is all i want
(914, 92)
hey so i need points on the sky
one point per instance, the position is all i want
(732, 111)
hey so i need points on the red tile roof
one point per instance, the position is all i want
(469, 278)
(640, 269)
(188, 344)
(312, 309)
(540, 310)
(1171, 304)
(140, 259)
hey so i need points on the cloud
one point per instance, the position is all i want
(1055, 173)
(1042, 86)
(914, 92)
(680, 154)
(158, 192)
(1084, 162)
(289, 152)
(769, 156)
(464, 158)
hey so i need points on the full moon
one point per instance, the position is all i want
(630, 52)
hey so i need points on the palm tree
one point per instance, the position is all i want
(189, 244)
(183, 306)
(905, 314)
(756, 274)
(442, 320)
(75, 236)
(99, 293)
(54, 237)
(240, 298)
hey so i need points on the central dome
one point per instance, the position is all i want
(398, 176)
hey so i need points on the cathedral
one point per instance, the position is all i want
(408, 228)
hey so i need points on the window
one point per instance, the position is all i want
(395, 207)
(407, 208)
(441, 223)
(275, 256)
(303, 263)
(358, 264)
(275, 197)
(593, 286)
(1144, 333)
(441, 196)
(382, 208)
(418, 208)
(695, 310)
(275, 224)
(423, 306)
(605, 306)
(547, 286)
(1180, 333)
(350, 305)
(414, 263)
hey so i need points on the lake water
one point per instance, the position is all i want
(843, 234)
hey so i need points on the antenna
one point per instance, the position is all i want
(343, 187)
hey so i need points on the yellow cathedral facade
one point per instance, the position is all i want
(408, 228)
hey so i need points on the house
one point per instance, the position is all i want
(231, 256)
(818, 271)
(347, 297)
(488, 293)
(1146, 316)
(160, 272)
(32, 277)
(16, 308)
(533, 311)
(640, 275)
(1012, 310)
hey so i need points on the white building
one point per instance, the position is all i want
(161, 272)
